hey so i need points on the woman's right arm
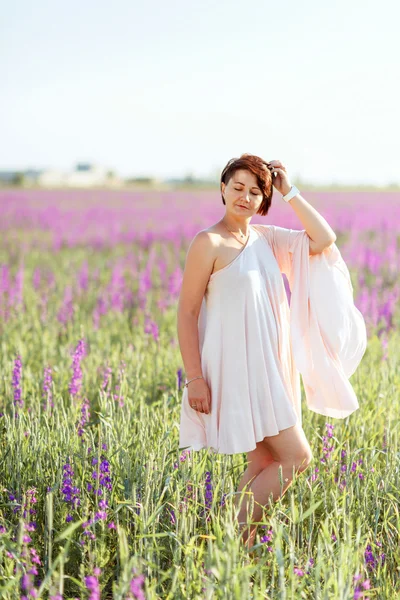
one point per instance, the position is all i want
(198, 268)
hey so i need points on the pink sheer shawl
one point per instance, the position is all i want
(327, 331)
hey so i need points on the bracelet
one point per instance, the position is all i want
(291, 193)
(198, 377)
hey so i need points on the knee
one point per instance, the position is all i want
(300, 462)
(304, 461)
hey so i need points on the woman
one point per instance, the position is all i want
(242, 346)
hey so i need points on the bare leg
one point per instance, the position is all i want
(290, 444)
(258, 459)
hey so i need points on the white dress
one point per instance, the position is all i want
(253, 346)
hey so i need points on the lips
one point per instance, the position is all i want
(241, 206)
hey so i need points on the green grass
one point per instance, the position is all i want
(162, 526)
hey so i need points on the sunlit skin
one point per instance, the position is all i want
(243, 189)
(264, 463)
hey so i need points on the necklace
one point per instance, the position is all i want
(241, 235)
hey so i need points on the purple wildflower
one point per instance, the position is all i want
(104, 486)
(209, 495)
(267, 537)
(151, 327)
(180, 378)
(172, 517)
(358, 590)
(370, 560)
(29, 555)
(47, 394)
(136, 589)
(92, 584)
(76, 380)
(85, 416)
(327, 450)
(184, 455)
(66, 312)
(121, 372)
(310, 564)
(71, 492)
(16, 381)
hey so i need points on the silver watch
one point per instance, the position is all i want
(293, 192)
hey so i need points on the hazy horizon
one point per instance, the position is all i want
(170, 90)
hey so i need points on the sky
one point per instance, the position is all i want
(168, 89)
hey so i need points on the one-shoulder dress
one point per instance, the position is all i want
(253, 345)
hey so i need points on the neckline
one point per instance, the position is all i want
(236, 257)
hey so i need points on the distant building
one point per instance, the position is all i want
(51, 178)
(8, 177)
(83, 175)
(29, 176)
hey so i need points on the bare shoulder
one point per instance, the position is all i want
(209, 239)
(205, 240)
(204, 249)
(215, 233)
(199, 265)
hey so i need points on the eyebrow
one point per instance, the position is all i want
(254, 186)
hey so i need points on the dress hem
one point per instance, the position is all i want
(195, 447)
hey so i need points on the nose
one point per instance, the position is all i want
(245, 196)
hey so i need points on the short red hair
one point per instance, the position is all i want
(259, 168)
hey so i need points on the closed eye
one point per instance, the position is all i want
(240, 189)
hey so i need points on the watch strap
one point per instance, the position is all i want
(293, 192)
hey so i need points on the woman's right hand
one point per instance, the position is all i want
(199, 396)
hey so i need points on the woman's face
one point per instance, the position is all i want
(242, 189)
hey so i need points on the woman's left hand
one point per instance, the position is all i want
(281, 181)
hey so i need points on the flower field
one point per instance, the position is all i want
(96, 499)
